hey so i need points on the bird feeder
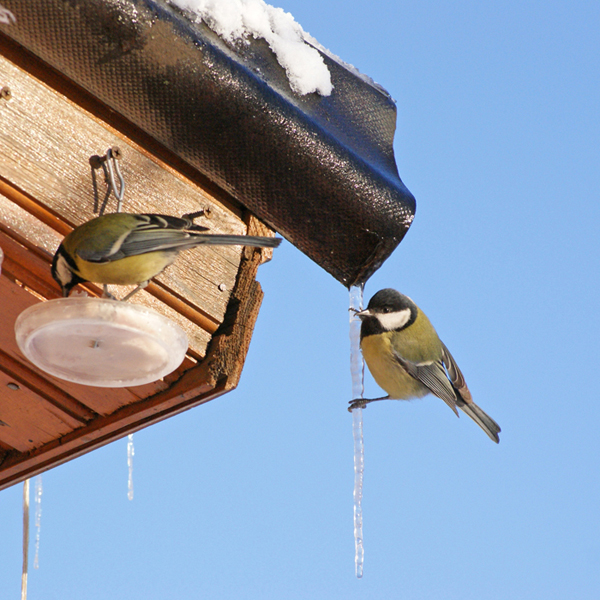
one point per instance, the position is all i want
(100, 342)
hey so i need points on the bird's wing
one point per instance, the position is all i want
(148, 233)
(455, 375)
(153, 240)
(464, 399)
(433, 376)
(158, 232)
(153, 233)
(142, 240)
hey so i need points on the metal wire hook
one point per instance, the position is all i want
(113, 155)
(110, 166)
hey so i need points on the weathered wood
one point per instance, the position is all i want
(46, 145)
(53, 395)
(53, 79)
(27, 420)
(238, 324)
(48, 130)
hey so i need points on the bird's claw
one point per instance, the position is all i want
(107, 294)
(357, 403)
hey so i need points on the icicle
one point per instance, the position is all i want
(25, 539)
(130, 453)
(38, 520)
(357, 369)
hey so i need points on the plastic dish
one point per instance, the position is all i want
(100, 342)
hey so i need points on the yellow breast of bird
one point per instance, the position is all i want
(126, 271)
(389, 375)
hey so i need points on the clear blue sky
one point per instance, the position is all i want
(250, 496)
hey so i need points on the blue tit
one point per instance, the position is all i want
(128, 249)
(408, 360)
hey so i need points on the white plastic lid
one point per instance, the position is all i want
(100, 342)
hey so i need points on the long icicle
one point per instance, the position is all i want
(25, 539)
(357, 369)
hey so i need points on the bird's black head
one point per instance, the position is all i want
(63, 271)
(388, 310)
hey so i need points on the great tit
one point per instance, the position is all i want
(127, 249)
(408, 360)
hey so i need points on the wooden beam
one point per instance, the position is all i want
(49, 128)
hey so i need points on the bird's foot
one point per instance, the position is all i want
(106, 293)
(133, 292)
(362, 402)
(357, 403)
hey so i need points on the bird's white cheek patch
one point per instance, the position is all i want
(395, 320)
(63, 271)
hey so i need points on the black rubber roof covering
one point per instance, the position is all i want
(319, 170)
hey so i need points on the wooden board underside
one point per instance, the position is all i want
(46, 141)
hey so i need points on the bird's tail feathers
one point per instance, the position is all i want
(482, 419)
(217, 239)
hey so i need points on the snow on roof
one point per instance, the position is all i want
(236, 20)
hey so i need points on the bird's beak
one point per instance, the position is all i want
(363, 314)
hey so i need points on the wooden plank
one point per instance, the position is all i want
(27, 420)
(16, 467)
(47, 141)
(22, 214)
(238, 325)
(47, 138)
(26, 377)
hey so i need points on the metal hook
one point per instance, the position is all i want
(113, 155)
(110, 166)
